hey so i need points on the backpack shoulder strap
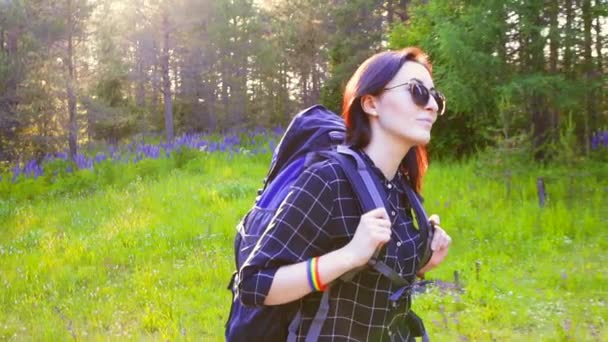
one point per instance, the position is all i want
(366, 189)
(425, 228)
(370, 194)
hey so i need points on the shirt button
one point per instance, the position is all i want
(390, 186)
(398, 243)
(393, 213)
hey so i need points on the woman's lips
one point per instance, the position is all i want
(427, 122)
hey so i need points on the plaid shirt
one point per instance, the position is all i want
(321, 214)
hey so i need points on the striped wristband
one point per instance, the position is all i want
(313, 275)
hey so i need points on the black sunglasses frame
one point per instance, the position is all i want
(421, 94)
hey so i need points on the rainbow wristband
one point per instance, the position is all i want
(313, 275)
(309, 274)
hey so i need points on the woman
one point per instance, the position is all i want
(319, 233)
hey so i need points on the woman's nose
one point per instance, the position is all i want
(432, 105)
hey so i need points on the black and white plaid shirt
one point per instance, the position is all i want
(321, 214)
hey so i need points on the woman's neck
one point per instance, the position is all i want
(387, 152)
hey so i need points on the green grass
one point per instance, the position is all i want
(150, 258)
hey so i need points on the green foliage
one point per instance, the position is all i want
(491, 62)
(81, 182)
(56, 168)
(505, 66)
(348, 50)
(182, 156)
(57, 182)
(510, 154)
(148, 258)
(565, 150)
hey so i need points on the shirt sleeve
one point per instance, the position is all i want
(298, 231)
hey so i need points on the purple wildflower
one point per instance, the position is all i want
(16, 173)
(100, 157)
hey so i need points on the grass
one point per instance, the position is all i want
(149, 259)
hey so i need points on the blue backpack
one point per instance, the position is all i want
(315, 134)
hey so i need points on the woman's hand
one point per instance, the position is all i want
(440, 245)
(373, 232)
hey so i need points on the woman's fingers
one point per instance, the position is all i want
(377, 213)
(434, 219)
(381, 223)
(441, 239)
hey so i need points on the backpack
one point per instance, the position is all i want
(314, 134)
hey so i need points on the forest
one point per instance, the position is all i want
(135, 135)
(524, 76)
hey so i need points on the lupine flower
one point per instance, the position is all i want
(595, 142)
(32, 169)
(272, 144)
(231, 142)
(82, 162)
(100, 157)
(599, 139)
(278, 130)
(16, 172)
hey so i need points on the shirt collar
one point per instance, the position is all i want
(395, 183)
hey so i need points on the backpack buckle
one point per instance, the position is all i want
(373, 261)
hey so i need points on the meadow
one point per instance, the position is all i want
(143, 251)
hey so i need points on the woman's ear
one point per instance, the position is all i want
(368, 103)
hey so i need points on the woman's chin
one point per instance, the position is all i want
(422, 138)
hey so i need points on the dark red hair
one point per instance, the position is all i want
(371, 78)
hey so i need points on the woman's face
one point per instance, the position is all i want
(398, 115)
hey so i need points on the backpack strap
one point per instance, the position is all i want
(370, 196)
(317, 322)
(361, 176)
(425, 228)
(368, 192)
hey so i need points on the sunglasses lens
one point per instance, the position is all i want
(440, 99)
(420, 95)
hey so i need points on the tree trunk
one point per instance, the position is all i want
(167, 79)
(568, 39)
(304, 87)
(73, 125)
(12, 46)
(591, 115)
(210, 107)
(315, 93)
(226, 89)
(403, 13)
(285, 91)
(553, 35)
(140, 87)
(553, 54)
(239, 90)
(156, 86)
(598, 41)
(600, 63)
(9, 100)
(538, 102)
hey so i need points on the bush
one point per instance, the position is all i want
(182, 156)
(78, 182)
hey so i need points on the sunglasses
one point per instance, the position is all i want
(421, 94)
